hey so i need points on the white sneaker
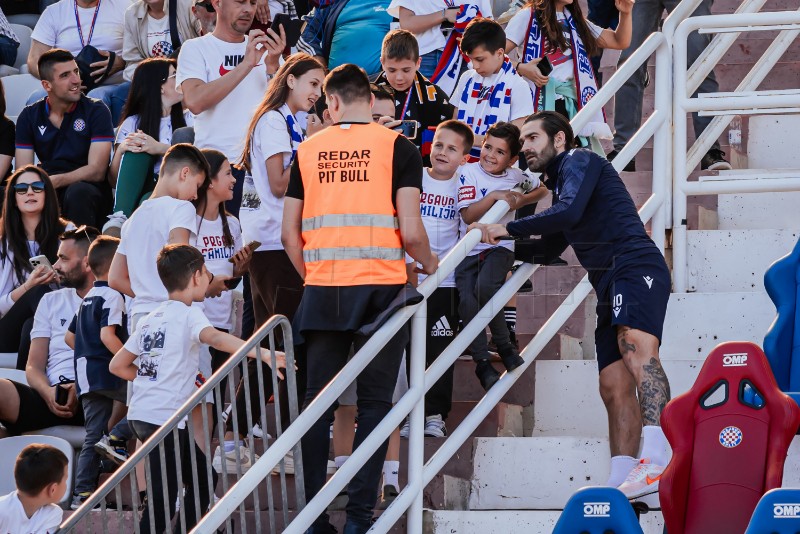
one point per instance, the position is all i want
(259, 433)
(228, 463)
(406, 429)
(642, 480)
(288, 465)
(115, 220)
(434, 427)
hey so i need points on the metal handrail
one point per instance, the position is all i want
(198, 398)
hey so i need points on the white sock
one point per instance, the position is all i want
(340, 460)
(655, 445)
(391, 474)
(620, 467)
(230, 445)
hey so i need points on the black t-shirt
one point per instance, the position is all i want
(406, 170)
(7, 140)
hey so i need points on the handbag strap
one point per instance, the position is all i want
(173, 26)
(91, 28)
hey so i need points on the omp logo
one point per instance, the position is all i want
(442, 328)
(596, 509)
(734, 360)
(786, 510)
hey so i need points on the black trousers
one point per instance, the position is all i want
(442, 327)
(12, 324)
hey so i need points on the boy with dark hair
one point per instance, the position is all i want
(96, 333)
(492, 91)
(415, 97)
(40, 474)
(162, 358)
(484, 270)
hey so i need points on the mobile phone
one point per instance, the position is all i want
(232, 283)
(62, 393)
(41, 260)
(291, 28)
(252, 246)
(408, 129)
(447, 24)
(545, 67)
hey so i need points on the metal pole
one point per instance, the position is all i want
(416, 437)
(679, 167)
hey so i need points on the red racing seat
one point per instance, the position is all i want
(730, 434)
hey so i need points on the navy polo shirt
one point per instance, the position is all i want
(101, 307)
(67, 148)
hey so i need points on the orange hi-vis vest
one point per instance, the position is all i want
(350, 228)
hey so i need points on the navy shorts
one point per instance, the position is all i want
(635, 295)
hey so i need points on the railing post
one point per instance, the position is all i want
(661, 142)
(679, 167)
(416, 437)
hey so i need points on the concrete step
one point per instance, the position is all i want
(511, 522)
(767, 211)
(584, 413)
(734, 260)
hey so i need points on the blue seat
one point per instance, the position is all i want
(782, 342)
(778, 512)
(598, 511)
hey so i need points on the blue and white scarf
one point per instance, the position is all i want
(449, 67)
(296, 134)
(481, 105)
(584, 78)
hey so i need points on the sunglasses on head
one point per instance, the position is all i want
(22, 188)
(206, 5)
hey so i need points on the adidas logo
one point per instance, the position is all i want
(442, 328)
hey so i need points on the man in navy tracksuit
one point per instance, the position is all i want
(595, 214)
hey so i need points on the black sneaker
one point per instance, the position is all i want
(487, 374)
(714, 160)
(511, 358)
(555, 262)
(526, 286)
(630, 167)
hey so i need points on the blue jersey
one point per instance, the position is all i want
(101, 307)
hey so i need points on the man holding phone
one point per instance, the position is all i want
(50, 398)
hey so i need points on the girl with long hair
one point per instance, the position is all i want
(270, 146)
(152, 113)
(30, 226)
(558, 31)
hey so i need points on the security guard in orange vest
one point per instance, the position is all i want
(351, 213)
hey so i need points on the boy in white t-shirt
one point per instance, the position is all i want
(484, 270)
(162, 359)
(40, 474)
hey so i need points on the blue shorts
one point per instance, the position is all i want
(635, 295)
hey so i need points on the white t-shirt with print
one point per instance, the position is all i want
(517, 33)
(159, 39)
(58, 28)
(475, 183)
(433, 38)
(167, 348)
(437, 203)
(53, 315)
(224, 125)
(131, 124)
(521, 96)
(216, 253)
(261, 211)
(143, 237)
(13, 518)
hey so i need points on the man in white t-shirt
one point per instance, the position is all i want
(223, 77)
(30, 407)
(75, 24)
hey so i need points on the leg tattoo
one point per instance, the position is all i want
(653, 390)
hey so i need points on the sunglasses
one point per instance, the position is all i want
(21, 188)
(207, 5)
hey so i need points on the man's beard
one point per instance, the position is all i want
(72, 279)
(541, 160)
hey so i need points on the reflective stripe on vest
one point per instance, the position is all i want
(353, 253)
(340, 220)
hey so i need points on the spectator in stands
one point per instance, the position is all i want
(71, 134)
(628, 101)
(347, 31)
(155, 28)
(96, 333)
(484, 270)
(491, 91)
(344, 293)
(415, 97)
(164, 378)
(151, 115)
(40, 475)
(7, 130)
(30, 227)
(431, 21)
(89, 30)
(50, 398)
(223, 76)
(9, 42)
(631, 279)
(205, 16)
(603, 13)
(558, 31)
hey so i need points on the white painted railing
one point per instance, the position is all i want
(745, 100)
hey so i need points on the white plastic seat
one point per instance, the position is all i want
(18, 89)
(24, 35)
(13, 374)
(8, 360)
(11, 447)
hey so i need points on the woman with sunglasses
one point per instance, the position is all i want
(152, 113)
(29, 226)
